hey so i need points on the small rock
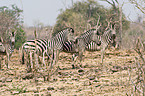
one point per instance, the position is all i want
(117, 67)
(125, 68)
(15, 92)
(91, 77)
(114, 70)
(28, 76)
(9, 80)
(81, 74)
(87, 83)
(50, 88)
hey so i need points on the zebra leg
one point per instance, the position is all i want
(28, 62)
(44, 59)
(23, 56)
(52, 60)
(57, 58)
(36, 59)
(80, 59)
(74, 58)
(7, 61)
(102, 53)
(31, 62)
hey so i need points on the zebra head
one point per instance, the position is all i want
(79, 44)
(12, 39)
(70, 35)
(110, 36)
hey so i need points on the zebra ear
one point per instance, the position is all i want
(13, 33)
(71, 30)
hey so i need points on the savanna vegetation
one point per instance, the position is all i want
(124, 72)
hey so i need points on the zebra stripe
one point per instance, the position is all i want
(39, 46)
(89, 36)
(94, 46)
(55, 44)
(82, 43)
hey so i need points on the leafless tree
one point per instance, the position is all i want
(138, 83)
(140, 4)
(116, 5)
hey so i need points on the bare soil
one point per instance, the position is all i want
(93, 79)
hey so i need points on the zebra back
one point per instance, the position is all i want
(31, 45)
(74, 46)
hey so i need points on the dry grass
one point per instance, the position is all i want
(113, 80)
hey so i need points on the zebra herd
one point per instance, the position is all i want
(64, 41)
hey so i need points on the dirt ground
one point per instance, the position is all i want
(92, 80)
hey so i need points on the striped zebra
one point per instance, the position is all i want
(76, 48)
(108, 38)
(30, 46)
(84, 40)
(94, 46)
(7, 48)
(55, 45)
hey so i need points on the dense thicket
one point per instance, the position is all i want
(84, 14)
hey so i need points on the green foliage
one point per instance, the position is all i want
(10, 20)
(20, 38)
(84, 14)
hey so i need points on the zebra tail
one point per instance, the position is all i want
(23, 60)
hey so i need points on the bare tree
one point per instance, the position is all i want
(140, 4)
(116, 5)
(138, 83)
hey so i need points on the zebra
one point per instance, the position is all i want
(7, 48)
(94, 46)
(55, 44)
(84, 40)
(30, 46)
(76, 48)
(107, 38)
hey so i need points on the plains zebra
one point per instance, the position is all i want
(94, 46)
(7, 47)
(30, 46)
(107, 38)
(76, 47)
(84, 40)
(55, 45)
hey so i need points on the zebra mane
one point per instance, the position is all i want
(59, 32)
(87, 32)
